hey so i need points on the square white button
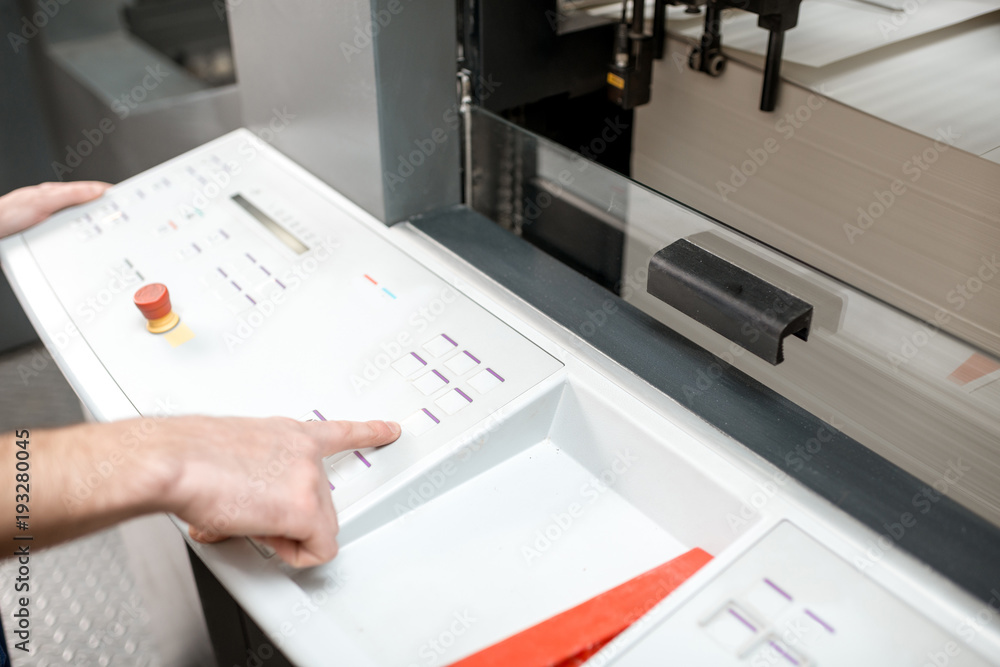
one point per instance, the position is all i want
(215, 277)
(409, 364)
(485, 381)
(733, 628)
(238, 303)
(349, 467)
(419, 422)
(430, 382)
(462, 363)
(439, 345)
(768, 598)
(453, 401)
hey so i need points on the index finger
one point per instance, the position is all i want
(58, 196)
(341, 436)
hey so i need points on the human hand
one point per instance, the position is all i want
(263, 478)
(25, 207)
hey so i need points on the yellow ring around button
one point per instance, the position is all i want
(163, 324)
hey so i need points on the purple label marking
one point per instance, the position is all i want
(195, 246)
(224, 274)
(463, 394)
(250, 257)
(440, 376)
(445, 336)
(417, 356)
(783, 653)
(332, 487)
(265, 270)
(280, 284)
(428, 413)
(321, 417)
(494, 374)
(469, 355)
(235, 285)
(742, 620)
(250, 299)
(224, 234)
(363, 459)
(389, 293)
(778, 589)
(819, 620)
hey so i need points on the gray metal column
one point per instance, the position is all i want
(360, 92)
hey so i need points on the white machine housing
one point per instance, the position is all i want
(532, 474)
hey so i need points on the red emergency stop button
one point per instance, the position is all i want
(154, 302)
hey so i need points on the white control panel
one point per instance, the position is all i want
(790, 602)
(522, 485)
(291, 303)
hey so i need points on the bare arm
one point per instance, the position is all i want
(224, 476)
(25, 207)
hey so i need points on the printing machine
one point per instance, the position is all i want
(437, 226)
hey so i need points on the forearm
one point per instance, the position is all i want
(224, 476)
(76, 480)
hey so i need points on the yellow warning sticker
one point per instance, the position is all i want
(616, 81)
(179, 335)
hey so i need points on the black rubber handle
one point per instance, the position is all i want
(747, 310)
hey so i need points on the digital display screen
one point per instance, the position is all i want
(271, 225)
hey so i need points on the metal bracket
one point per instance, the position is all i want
(747, 310)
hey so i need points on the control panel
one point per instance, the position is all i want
(790, 602)
(265, 293)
